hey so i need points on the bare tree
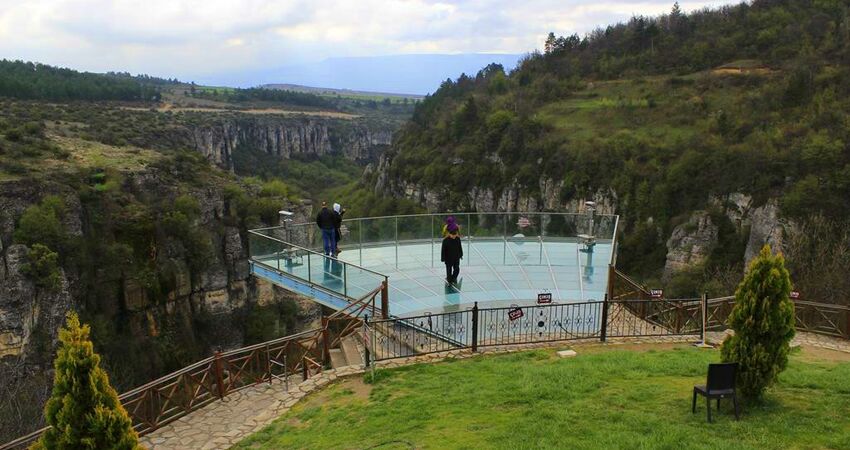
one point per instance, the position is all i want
(818, 256)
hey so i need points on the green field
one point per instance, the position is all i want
(622, 399)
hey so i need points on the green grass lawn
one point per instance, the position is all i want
(604, 398)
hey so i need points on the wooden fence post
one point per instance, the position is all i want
(269, 364)
(366, 355)
(326, 345)
(385, 300)
(219, 379)
(680, 312)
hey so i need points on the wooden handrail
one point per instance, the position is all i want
(229, 357)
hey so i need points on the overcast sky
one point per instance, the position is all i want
(193, 39)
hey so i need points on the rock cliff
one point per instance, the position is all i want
(688, 244)
(30, 317)
(284, 137)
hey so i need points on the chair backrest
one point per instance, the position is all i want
(721, 376)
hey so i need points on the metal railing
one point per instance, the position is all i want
(394, 231)
(475, 327)
(318, 270)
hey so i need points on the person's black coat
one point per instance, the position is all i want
(325, 219)
(338, 223)
(452, 250)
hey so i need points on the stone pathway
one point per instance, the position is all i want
(223, 423)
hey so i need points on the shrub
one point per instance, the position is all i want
(763, 320)
(83, 410)
(42, 267)
(41, 224)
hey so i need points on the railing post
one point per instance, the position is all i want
(475, 327)
(219, 379)
(385, 300)
(396, 242)
(304, 370)
(326, 345)
(680, 312)
(432, 241)
(468, 240)
(366, 355)
(269, 364)
(345, 279)
(309, 274)
(846, 332)
(704, 316)
(603, 334)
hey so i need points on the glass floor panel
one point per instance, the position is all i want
(493, 273)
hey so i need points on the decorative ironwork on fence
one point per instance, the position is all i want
(487, 327)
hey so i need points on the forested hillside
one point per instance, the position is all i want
(27, 80)
(695, 128)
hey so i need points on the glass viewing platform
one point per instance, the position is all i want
(508, 259)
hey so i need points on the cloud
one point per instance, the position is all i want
(196, 38)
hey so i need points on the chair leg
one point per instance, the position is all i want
(708, 409)
(735, 402)
(694, 403)
(718, 403)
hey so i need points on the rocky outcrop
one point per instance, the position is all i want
(766, 227)
(690, 244)
(27, 312)
(286, 137)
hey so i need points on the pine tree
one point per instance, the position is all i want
(83, 410)
(763, 320)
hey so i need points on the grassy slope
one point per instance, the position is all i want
(601, 399)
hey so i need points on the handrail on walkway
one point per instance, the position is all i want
(172, 396)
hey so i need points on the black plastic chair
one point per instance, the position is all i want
(720, 384)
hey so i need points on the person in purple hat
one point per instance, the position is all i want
(452, 252)
(450, 221)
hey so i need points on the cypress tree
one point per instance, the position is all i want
(83, 410)
(763, 320)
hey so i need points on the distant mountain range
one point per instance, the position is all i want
(399, 74)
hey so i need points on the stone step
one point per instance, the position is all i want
(337, 358)
(352, 353)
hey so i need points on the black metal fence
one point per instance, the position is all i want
(488, 327)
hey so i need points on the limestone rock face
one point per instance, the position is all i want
(547, 196)
(766, 227)
(27, 311)
(690, 243)
(285, 137)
